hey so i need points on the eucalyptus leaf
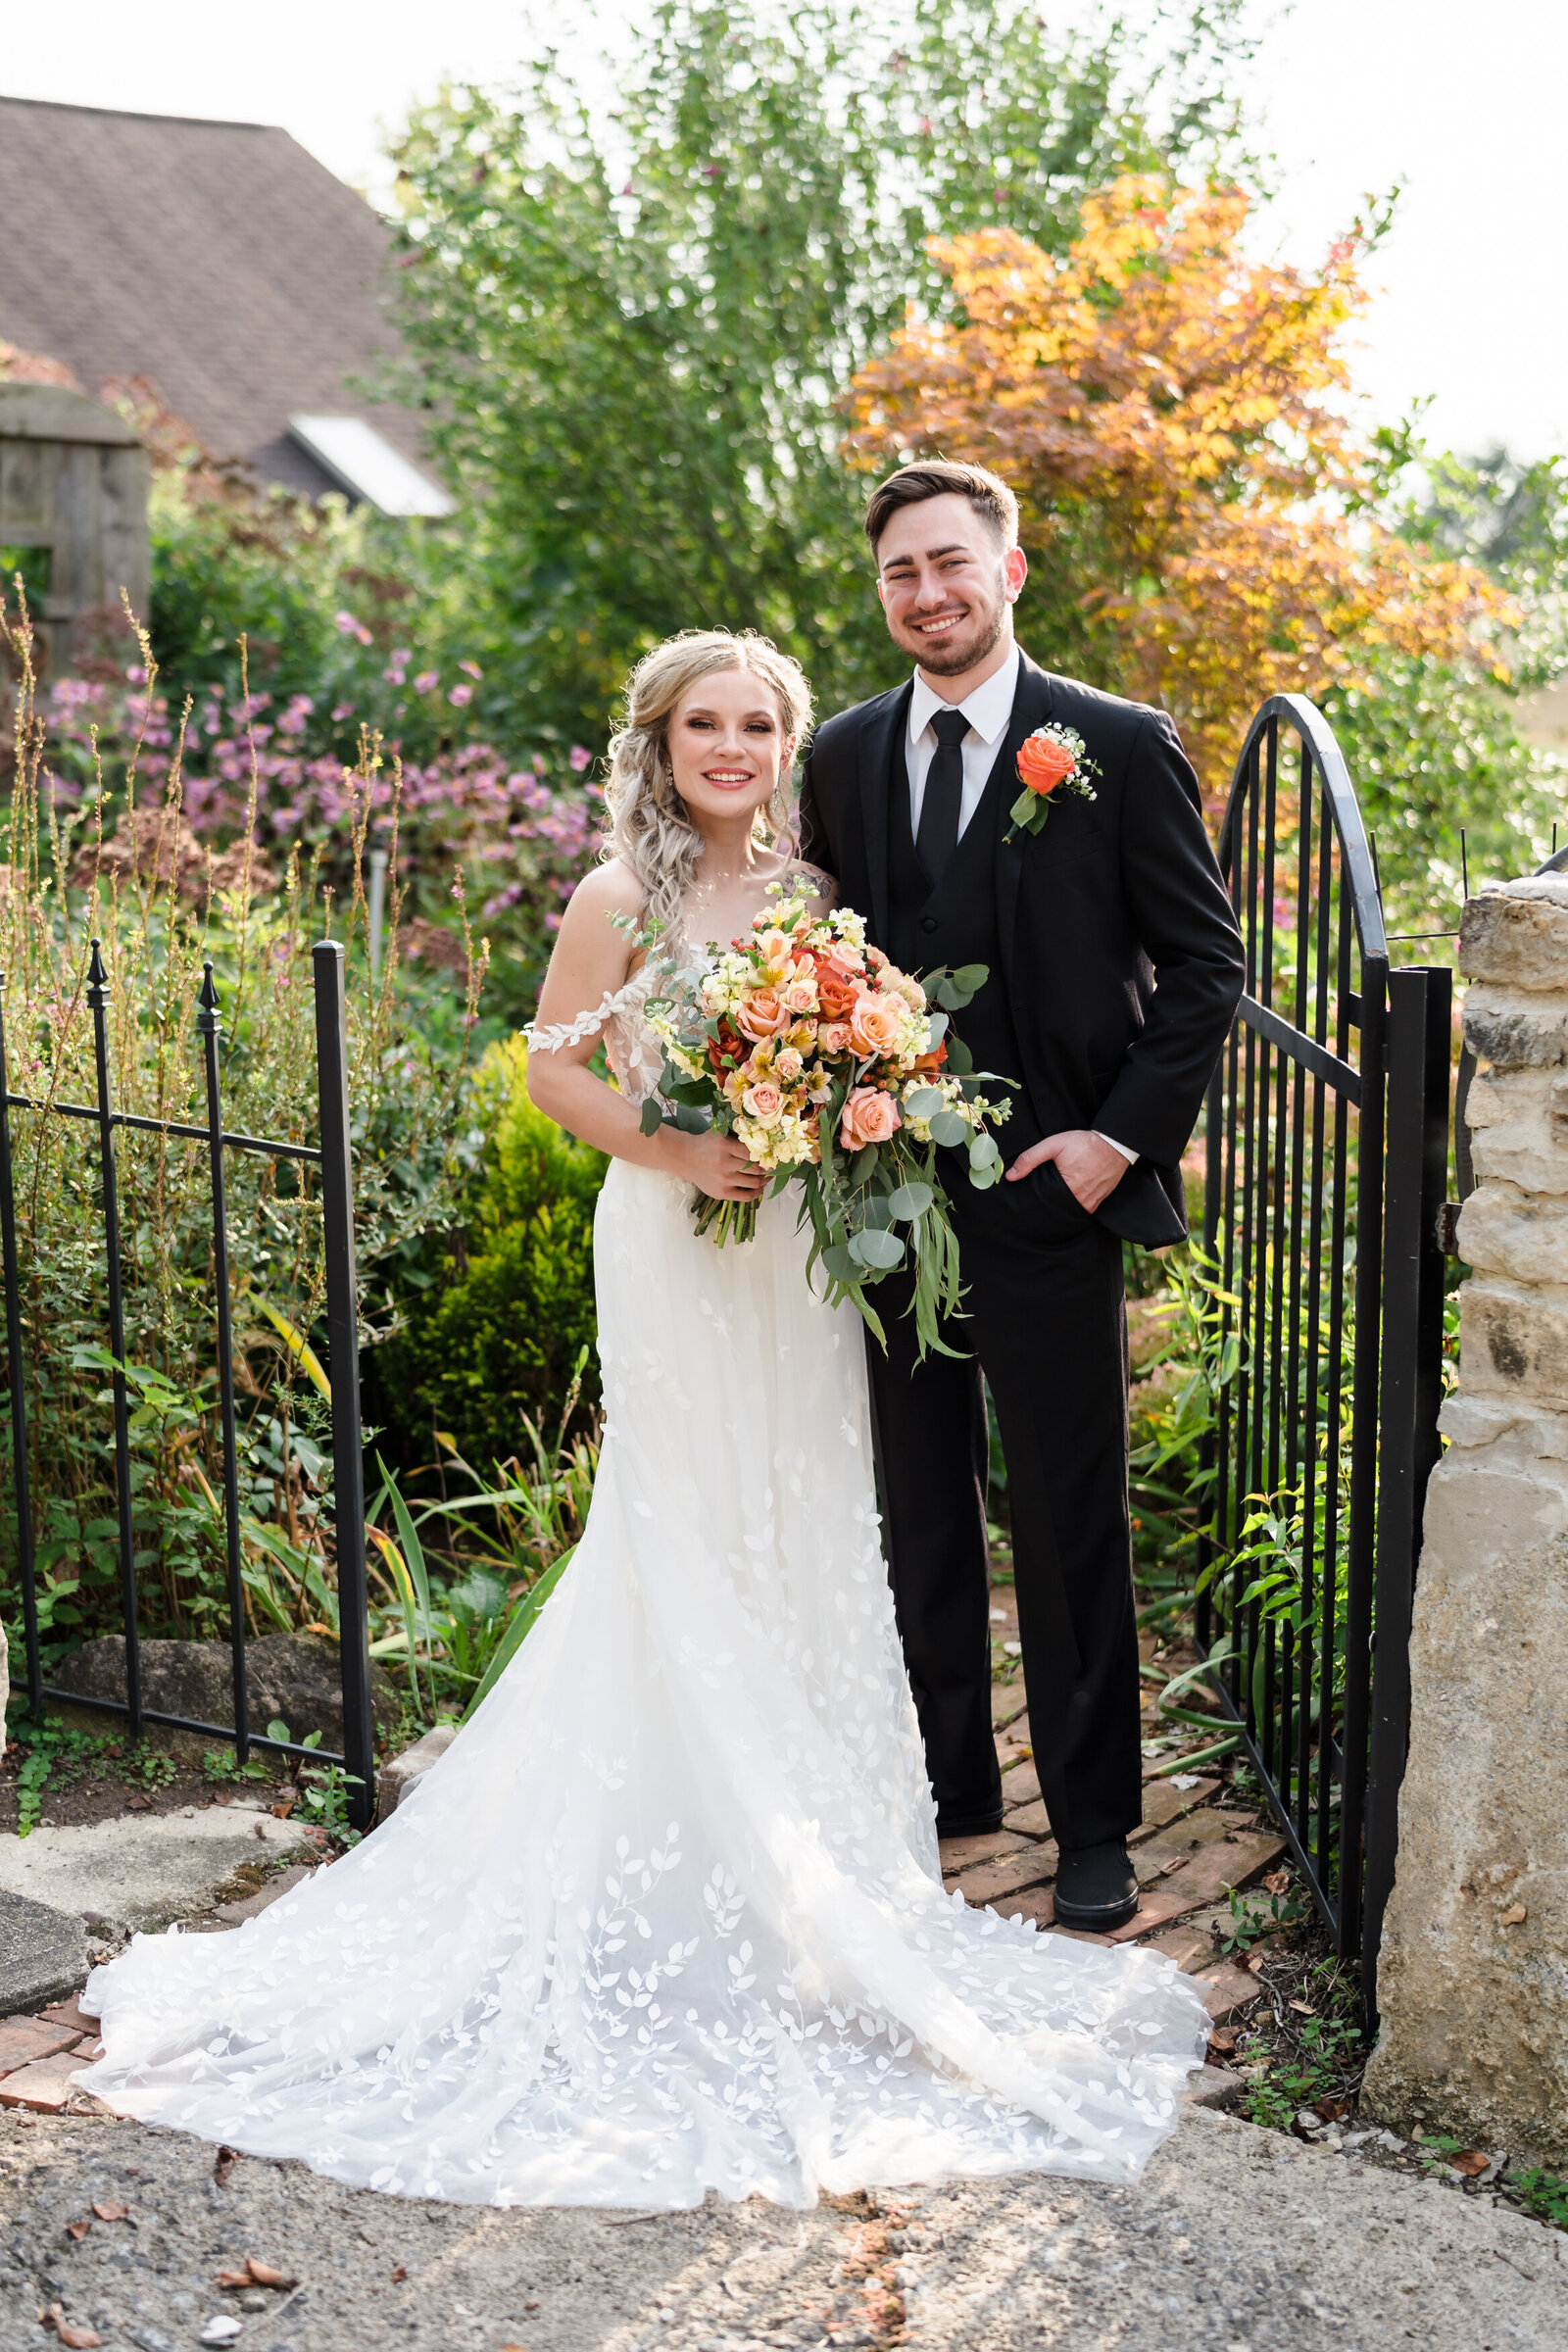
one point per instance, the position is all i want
(653, 1118)
(911, 1199)
(923, 1102)
(961, 1062)
(881, 1250)
(840, 1264)
(947, 1128)
(983, 1151)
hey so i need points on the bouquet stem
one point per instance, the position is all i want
(725, 1220)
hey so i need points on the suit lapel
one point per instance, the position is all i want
(881, 741)
(1030, 709)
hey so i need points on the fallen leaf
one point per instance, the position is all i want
(112, 2212)
(281, 1812)
(227, 2158)
(78, 2229)
(265, 2275)
(234, 2278)
(399, 2274)
(1470, 2161)
(1332, 2110)
(1168, 1870)
(1255, 1962)
(1514, 1917)
(78, 2338)
(1222, 2038)
(139, 1804)
(1278, 1882)
(1305, 2008)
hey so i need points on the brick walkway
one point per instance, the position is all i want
(1190, 1850)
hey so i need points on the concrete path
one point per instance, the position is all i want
(1238, 2240)
(143, 1870)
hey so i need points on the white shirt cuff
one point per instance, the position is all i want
(1131, 1157)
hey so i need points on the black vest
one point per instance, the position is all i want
(957, 924)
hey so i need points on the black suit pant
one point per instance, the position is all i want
(1045, 1320)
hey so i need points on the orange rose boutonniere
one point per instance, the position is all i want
(1053, 760)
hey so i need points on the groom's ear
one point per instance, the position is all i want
(1015, 570)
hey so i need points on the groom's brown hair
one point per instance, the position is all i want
(941, 478)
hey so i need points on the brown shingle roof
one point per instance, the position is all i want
(219, 259)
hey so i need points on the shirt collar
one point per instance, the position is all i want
(988, 709)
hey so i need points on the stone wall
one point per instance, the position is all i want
(1472, 1979)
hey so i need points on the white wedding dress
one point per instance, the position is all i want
(668, 1915)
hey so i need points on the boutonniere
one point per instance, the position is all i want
(1052, 760)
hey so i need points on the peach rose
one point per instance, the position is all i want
(877, 1024)
(790, 1064)
(876, 959)
(764, 1102)
(1043, 764)
(763, 1015)
(833, 1037)
(801, 996)
(869, 1117)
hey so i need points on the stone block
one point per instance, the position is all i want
(1513, 1134)
(397, 1780)
(1520, 1235)
(43, 1951)
(1514, 1340)
(141, 1870)
(1513, 1030)
(294, 1677)
(1516, 933)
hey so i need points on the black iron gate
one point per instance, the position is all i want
(333, 1161)
(1327, 1160)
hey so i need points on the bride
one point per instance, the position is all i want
(668, 1915)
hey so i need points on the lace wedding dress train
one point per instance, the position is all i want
(667, 1917)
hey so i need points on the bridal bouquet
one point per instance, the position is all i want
(839, 1072)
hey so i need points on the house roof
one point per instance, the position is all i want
(219, 259)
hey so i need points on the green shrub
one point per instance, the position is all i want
(496, 1337)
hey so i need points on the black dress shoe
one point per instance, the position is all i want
(1096, 1887)
(969, 1824)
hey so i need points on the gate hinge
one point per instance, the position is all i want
(1448, 1228)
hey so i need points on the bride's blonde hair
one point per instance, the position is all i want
(649, 825)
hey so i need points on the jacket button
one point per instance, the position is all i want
(928, 922)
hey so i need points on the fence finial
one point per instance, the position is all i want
(210, 1012)
(97, 979)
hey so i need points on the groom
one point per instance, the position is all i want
(1114, 967)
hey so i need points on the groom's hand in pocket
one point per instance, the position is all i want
(1089, 1166)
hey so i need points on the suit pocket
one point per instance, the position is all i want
(1058, 1195)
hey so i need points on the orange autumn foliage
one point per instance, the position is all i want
(1177, 421)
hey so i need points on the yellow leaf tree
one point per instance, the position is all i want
(1199, 498)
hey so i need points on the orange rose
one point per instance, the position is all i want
(932, 1062)
(763, 1015)
(836, 993)
(877, 1024)
(1043, 764)
(869, 1117)
(833, 1037)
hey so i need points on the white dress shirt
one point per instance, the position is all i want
(988, 711)
(989, 708)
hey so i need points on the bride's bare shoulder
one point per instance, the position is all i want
(608, 889)
(823, 888)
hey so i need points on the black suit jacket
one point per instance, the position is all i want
(1122, 959)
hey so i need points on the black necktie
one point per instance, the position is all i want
(938, 836)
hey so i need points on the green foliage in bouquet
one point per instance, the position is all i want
(494, 1338)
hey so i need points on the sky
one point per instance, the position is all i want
(1460, 108)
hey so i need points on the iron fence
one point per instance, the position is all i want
(333, 1160)
(1327, 1153)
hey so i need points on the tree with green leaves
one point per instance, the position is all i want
(634, 332)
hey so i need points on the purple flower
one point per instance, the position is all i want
(578, 757)
(350, 627)
(473, 668)
(461, 693)
(426, 680)
(340, 711)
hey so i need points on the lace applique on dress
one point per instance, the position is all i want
(633, 1052)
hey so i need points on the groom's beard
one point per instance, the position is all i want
(960, 649)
